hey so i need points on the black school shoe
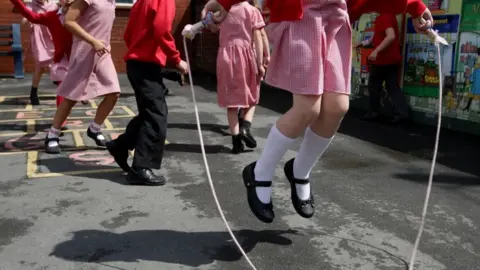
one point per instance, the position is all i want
(34, 100)
(54, 149)
(144, 176)
(119, 154)
(305, 208)
(94, 136)
(237, 144)
(264, 212)
(247, 137)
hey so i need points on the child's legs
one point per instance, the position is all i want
(105, 107)
(284, 133)
(334, 108)
(247, 113)
(62, 112)
(305, 109)
(233, 120)
(282, 136)
(37, 75)
(59, 101)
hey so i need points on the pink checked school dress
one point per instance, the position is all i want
(312, 55)
(41, 42)
(90, 75)
(238, 81)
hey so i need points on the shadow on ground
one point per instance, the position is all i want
(186, 248)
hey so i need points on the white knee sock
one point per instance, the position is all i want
(275, 148)
(311, 149)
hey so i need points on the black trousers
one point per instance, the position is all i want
(147, 131)
(389, 75)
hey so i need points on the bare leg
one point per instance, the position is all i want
(62, 113)
(247, 113)
(233, 121)
(105, 108)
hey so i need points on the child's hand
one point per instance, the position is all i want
(182, 67)
(99, 47)
(261, 71)
(266, 61)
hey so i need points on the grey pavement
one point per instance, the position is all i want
(75, 210)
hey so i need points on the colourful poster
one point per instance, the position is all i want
(421, 76)
(468, 60)
(362, 30)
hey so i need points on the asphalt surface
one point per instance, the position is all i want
(75, 210)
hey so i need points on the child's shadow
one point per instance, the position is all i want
(187, 248)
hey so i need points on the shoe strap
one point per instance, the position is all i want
(301, 181)
(261, 183)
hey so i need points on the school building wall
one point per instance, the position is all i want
(183, 16)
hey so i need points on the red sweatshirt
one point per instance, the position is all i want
(148, 34)
(61, 37)
(290, 10)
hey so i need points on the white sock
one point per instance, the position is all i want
(275, 148)
(53, 133)
(94, 127)
(311, 149)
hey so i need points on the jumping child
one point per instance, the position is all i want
(311, 58)
(91, 72)
(239, 68)
(41, 45)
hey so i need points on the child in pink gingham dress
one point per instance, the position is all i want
(91, 72)
(239, 67)
(41, 46)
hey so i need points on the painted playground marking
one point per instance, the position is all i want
(29, 142)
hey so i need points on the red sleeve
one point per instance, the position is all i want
(28, 14)
(162, 24)
(383, 22)
(227, 4)
(358, 7)
(415, 8)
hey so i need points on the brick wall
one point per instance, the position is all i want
(183, 15)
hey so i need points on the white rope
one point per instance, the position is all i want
(434, 160)
(207, 168)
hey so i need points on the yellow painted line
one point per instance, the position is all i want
(32, 158)
(93, 104)
(11, 153)
(70, 118)
(30, 126)
(27, 96)
(77, 138)
(127, 110)
(108, 124)
(17, 134)
(49, 175)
